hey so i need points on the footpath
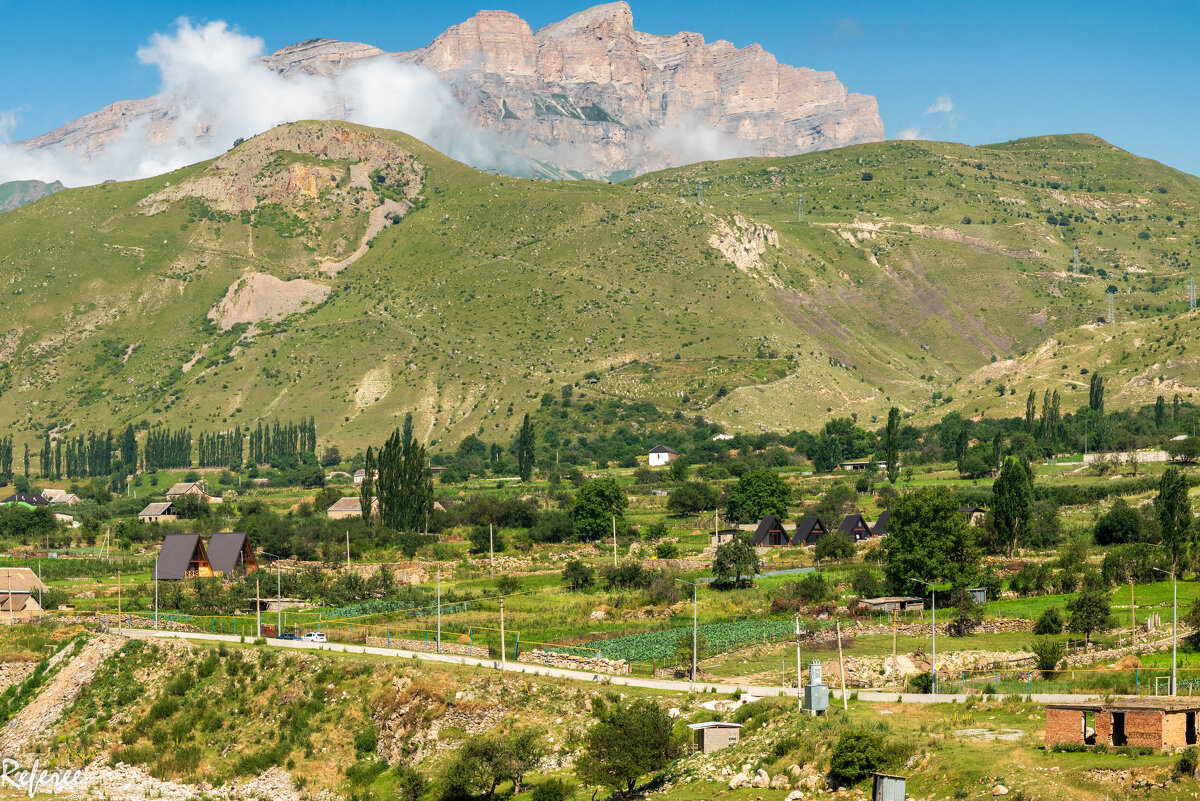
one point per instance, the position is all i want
(579, 675)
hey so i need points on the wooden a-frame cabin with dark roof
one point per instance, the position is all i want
(182, 556)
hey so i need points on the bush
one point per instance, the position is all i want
(1186, 765)
(1050, 622)
(483, 541)
(578, 575)
(409, 783)
(365, 742)
(667, 550)
(553, 790)
(864, 583)
(856, 755)
(834, 546)
(1049, 653)
(507, 585)
(920, 683)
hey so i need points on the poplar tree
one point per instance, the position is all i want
(1174, 516)
(366, 493)
(525, 449)
(892, 445)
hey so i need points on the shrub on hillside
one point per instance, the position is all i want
(1049, 653)
(856, 755)
(1049, 622)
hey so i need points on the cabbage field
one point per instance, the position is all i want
(721, 637)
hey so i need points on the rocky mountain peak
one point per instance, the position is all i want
(588, 96)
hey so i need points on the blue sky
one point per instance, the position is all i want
(969, 72)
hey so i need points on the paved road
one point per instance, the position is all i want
(579, 675)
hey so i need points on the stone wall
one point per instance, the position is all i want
(15, 672)
(557, 659)
(460, 649)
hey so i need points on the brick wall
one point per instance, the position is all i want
(1104, 727)
(1063, 726)
(1144, 728)
(1174, 730)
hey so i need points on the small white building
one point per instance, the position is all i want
(661, 454)
(714, 735)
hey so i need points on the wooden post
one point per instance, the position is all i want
(614, 524)
(492, 556)
(118, 602)
(502, 655)
(842, 666)
(258, 605)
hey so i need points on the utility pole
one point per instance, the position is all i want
(842, 667)
(491, 551)
(278, 600)
(614, 521)
(347, 550)
(503, 658)
(258, 604)
(439, 610)
(799, 689)
(156, 597)
(118, 598)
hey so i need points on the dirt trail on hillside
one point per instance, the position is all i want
(43, 711)
(376, 222)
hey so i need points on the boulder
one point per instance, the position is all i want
(780, 782)
(999, 789)
(740, 780)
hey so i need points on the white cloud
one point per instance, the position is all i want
(218, 90)
(848, 27)
(8, 123)
(689, 140)
(910, 133)
(943, 105)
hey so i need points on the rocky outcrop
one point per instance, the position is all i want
(587, 96)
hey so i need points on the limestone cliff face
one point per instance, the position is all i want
(588, 96)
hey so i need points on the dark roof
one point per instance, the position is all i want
(970, 510)
(224, 550)
(809, 527)
(663, 449)
(156, 509)
(852, 522)
(880, 527)
(25, 497)
(176, 555)
(766, 526)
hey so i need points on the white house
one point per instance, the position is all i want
(661, 454)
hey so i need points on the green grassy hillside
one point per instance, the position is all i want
(915, 265)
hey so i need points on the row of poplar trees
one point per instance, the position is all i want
(399, 478)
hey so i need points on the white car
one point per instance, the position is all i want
(314, 636)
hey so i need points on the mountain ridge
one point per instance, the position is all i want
(916, 265)
(588, 96)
